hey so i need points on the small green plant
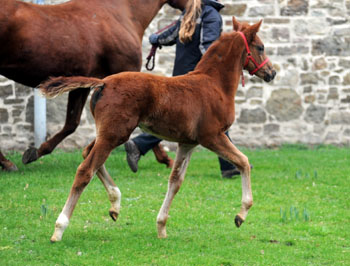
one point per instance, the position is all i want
(283, 215)
(293, 214)
(306, 215)
(43, 209)
(299, 174)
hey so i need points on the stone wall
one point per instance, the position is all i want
(308, 102)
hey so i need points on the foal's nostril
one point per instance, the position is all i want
(273, 74)
(270, 76)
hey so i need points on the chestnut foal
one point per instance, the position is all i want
(94, 38)
(193, 109)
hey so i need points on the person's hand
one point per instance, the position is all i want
(153, 39)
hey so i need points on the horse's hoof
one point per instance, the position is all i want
(12, 168)
(238, 221)
(30, 155)
(114, 215)
(9, 167)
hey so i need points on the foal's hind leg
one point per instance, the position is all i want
(223, 147)
(176, 178)
(94, 160)
(113, 191)
(76, 102)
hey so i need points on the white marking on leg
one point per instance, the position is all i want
(62, 220)
(227, 150)
(247, 197)
(64, 217)
(114, 194)
(60, 225)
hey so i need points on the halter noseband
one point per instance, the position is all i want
(250, 57)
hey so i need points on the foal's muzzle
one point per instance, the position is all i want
(270, 76)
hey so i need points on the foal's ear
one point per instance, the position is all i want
(236, 25)
(252, 31)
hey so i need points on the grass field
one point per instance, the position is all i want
(301, 212)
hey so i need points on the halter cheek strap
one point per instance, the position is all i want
(251, 58)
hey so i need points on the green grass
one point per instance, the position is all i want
(301, 212)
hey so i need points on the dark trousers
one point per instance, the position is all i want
(145, 142)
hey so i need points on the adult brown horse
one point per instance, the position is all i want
(81, 37)
(193, 109)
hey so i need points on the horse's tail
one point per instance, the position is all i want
(56, 86)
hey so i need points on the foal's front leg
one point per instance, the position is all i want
(224, 148)
(176, 178)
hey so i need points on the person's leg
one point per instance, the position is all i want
(139, 146)
(228, 170)
(145, 142)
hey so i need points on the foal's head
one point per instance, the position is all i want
(254, 58)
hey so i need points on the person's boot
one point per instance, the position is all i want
(230, 173)
(132, 155)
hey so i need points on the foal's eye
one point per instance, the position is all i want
(260, 48)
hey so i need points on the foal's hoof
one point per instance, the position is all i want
(54, 239)
(162, 235)
(162, 232)
(114, 215)
(238, 221)
(161, 229)
(30, 155)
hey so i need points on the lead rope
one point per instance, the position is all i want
(243, 81)
(152, 54)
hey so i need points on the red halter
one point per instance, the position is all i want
(250, 57)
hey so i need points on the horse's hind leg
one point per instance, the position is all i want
(176, 178)
(94, 161)
(76, 102)
(225, 149)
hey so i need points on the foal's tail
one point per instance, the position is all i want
(56, 86)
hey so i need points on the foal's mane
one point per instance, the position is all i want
(218, 51)
(229, 46)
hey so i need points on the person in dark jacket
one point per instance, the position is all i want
(199, 25)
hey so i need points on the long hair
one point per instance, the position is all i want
(188, 25)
